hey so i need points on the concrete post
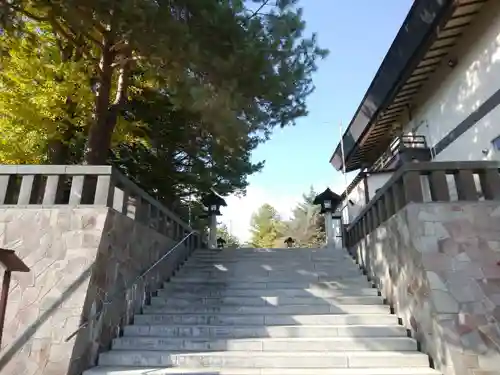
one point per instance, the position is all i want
(212, 239)
(329, 230)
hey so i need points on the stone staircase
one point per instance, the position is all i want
(266, 312)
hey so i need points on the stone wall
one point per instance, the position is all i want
(438, 264)
(80, 259)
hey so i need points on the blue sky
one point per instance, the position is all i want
(358, 34)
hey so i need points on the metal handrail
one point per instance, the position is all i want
(137, 279)
(402, 141)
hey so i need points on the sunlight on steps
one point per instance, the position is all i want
(266, 311)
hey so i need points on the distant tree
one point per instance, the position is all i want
(231, 241)
(266, 227)
(306, 225)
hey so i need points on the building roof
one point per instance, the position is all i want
(430, 30)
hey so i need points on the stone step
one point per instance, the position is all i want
(294, 253)
(270, 260)
(268, 320)
(284, 256)
(259, 264)
(269, 263)
(260, 312)
(258, 285)
(265, 359)
(267, 310)
(283, 331)
(272, 282)
(108, 370)
(268, 344)
(257, 274)
(181, 292)
(207, 265)
(283, 250)
(268, 279)
(265, 301)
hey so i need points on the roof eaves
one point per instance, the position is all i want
(418, 26)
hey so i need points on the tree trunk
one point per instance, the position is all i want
(57, 152)
(101, 130)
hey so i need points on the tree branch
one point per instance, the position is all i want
(126, 60)
(58, 28)
(29, 14)
(89, 17)
(118, 46)
(55, 24)
(258, 10)
(122, 85)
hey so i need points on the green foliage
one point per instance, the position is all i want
(266, 227)
(187, 158)
(231, 241)
(237, 68)
(43, 95)
(306, 227)
(176, 93)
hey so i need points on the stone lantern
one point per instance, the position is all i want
(329, 202)
(289, 242)
(213, 202)
(221, 242)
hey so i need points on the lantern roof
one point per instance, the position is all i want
(213, 199)
(327, 195)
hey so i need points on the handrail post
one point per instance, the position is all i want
(11, 263)
(3, 300)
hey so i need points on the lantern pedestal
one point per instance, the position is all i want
(330, 240)
(212, 236)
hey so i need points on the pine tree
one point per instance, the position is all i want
(243, 71)
(306, 226)
(266, 227)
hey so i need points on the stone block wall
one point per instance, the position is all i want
(82, 260)
(438, 265)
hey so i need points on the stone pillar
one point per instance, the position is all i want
(330, 236)
(212, 239)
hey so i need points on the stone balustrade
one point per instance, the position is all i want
(87, 235)
(81, 185)
(467, 181)
(430, 241)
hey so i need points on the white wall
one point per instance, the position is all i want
(451, 95)
(376, 181)
(357, 195)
